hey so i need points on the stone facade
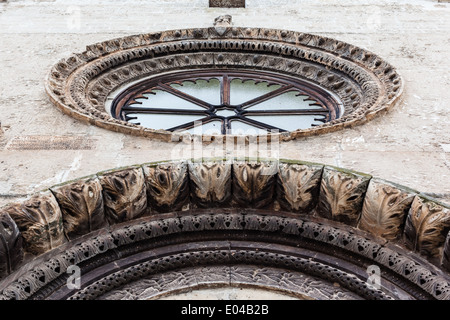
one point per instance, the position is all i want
(44, 152)
(408, 145)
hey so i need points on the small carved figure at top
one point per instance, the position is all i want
(221, 23)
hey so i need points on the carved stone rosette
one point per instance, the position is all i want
(318, 223)
(365, 84)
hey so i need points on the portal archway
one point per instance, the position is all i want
(308, 230)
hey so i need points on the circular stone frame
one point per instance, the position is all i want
(365, 83)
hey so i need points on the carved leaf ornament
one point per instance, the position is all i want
(306, 217)
(82, 206)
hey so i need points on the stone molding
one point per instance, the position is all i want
(390, 225)
(366, 84)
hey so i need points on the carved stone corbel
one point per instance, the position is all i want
(167, 186)
(426, 227)
(385, 208)
(124, 194)
(82, 206)
(39, 220)
(298, 186)
(210, 183)
(254, 183)
(341, 195)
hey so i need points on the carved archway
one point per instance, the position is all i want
(309, 230)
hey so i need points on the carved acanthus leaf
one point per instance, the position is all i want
(254, 183)
(39, 220)
(210, 183)
(384, 210)
(124, 194)
(341, 195)
(426, 227)
(11, 251)
(81, 204)
(167, 186)
(298, 186)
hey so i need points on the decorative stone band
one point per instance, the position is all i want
(365, 84)
(298, 204)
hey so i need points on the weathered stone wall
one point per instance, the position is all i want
(40, 147)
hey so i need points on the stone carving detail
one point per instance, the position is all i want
(82, 206)
(384, 210)
(415, 271)
(167, 186)
(222, 24)
(225, 200)
(33, 280)
(253, 183)
(426, 228)
(233, 256)
(210, 183)
(298, 186)
(11, 251)
(289, 282)
(124, 194)
(80, 84)
(309, 287)
(39, 220)
(341, 195)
